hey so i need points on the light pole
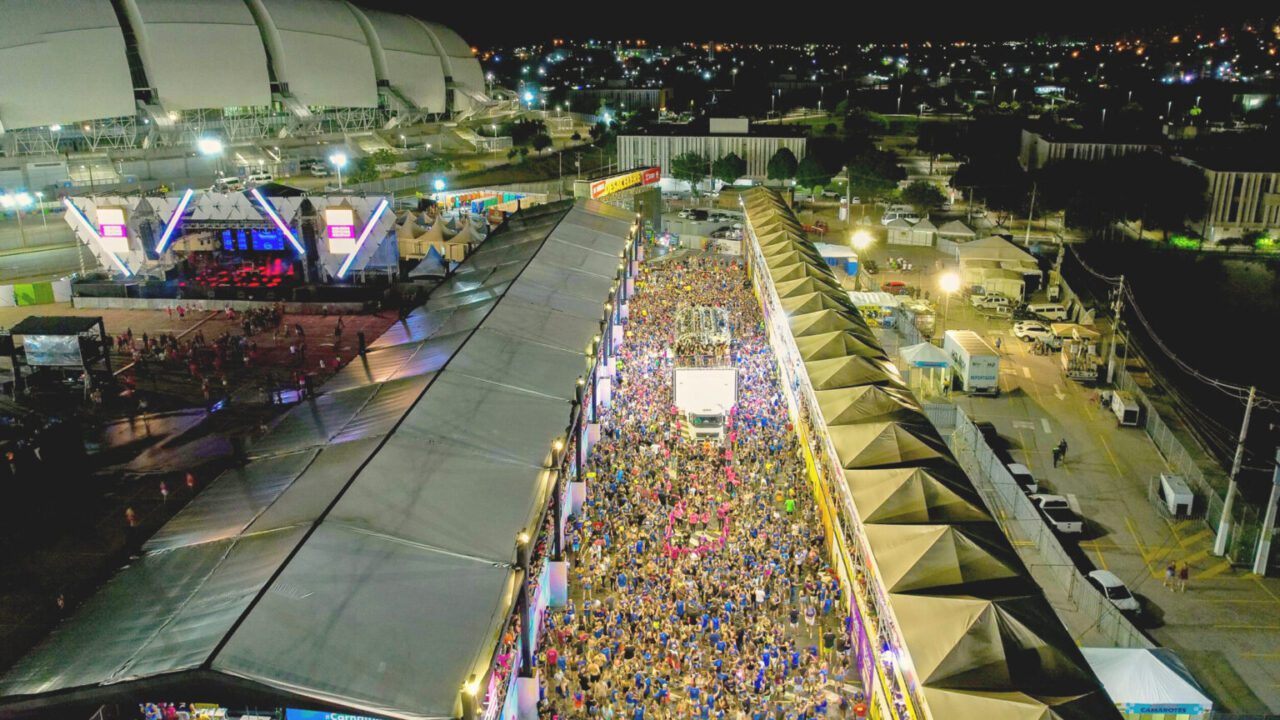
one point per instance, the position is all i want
(948, 283)
(15, 202)
(404, 142)
(734, 73)
(208, 146)
(44, 213)
(860, 241)
(339, 161)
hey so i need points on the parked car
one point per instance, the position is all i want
(1113, 589)
(1063, 520)
(259, 178)
(855, 200)
(870, 267)
(1029, 330)
(320, 170)
(896, 287)
(1023, 477)
(990, 301)
(228, 183)
(830, 194)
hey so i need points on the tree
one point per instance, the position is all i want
(432, 165)
(874, 173)
(924, 195)
(810, 173)
(366, 170)
(384, 158)
(690, 167)
(540, 142)
(728, 168)
(782, 166)
(512, 153)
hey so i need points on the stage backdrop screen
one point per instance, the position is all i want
(53, 350)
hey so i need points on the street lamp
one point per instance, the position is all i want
(404, 143)
(209, 147)
(860, 241)
(339, 161)
(44, 214)
(15, 202)
(949, 283)
(438, 184)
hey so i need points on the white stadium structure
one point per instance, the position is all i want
(93, 76)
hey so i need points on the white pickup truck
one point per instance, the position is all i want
(1058, 513)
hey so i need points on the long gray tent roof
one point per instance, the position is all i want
(364, 556)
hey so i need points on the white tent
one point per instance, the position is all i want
(1148, 682)
(829, 250)
(926, 368)
(875, 297)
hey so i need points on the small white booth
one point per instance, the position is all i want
(1149, 684)
(926, 368)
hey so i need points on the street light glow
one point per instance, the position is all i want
(438, 184)
(209, 146)
(861, 240)
(338, 159)
(949, 282)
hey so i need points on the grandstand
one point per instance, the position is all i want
(114, 76)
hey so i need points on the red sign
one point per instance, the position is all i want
(618, 183)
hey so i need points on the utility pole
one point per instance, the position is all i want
(1224, 523)
(1116, 307)
(1031, 211)
(1268, 523)
(969, 208)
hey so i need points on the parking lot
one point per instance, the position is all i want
(1224, 625)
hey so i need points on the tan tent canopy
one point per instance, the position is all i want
(814, 302)
(835, 345)
(882, 445)
(824, 321)
(914, 495)
(792, 288)
(866, 403)
(931, 557)
(799, 271)
(850, 372)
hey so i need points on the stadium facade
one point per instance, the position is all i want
(92, 76)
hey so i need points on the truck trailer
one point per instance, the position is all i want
(975, 365)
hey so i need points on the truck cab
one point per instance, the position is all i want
(704, 424)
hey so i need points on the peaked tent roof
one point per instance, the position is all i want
(924, 353)
(838, 344)
(813, 302)
(976, 627)
(1154, 676)
(915, 495)
(885, 444)
(289, 572)
(995, 248)
(956, 228)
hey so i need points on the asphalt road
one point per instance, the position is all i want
(42, 264)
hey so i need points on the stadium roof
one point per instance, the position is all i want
(78, 65)
(980, 634)
(364, 557)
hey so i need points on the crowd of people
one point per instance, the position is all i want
(700, 587)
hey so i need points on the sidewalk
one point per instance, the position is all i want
(1225, 625)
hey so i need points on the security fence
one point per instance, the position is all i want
(1209, 491)
(1083, 608)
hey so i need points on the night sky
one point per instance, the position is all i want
(496, 24)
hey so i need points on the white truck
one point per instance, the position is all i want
(975, 364)
(704, 396)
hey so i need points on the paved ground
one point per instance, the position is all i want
(1224, 626)
(85, 538)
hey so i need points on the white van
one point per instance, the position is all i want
(260, 178)
(228, 183)
(1048, 311)
(991, 302)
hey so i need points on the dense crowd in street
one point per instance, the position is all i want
(700, 587)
